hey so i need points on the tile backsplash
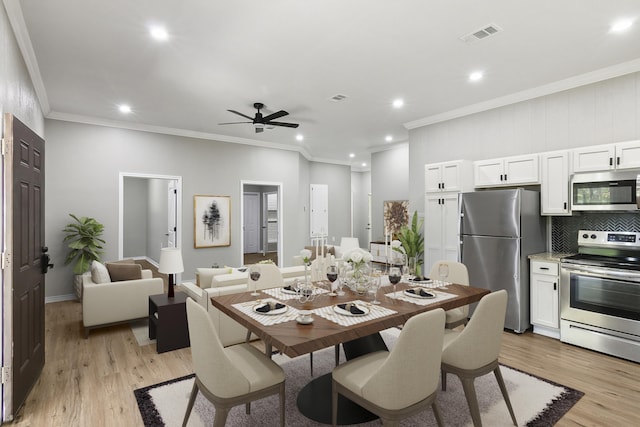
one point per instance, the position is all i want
(564, 229)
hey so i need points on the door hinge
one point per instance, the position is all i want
(6, 374)
(5, 260)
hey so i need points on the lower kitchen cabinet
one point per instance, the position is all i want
(545, 292)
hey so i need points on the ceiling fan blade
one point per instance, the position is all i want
(258, 130)
(275, 115)
(233, 123)
(287, 125)
(240, 114)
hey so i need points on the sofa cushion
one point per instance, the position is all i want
(205, 275)
(123, 271)
(99, 273)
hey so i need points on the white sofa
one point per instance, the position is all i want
(105, 304)
(224, 281)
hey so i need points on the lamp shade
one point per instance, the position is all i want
(170, 261)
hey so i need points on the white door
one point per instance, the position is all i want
(319, 210)
(450, 227)
(172, 213)
(433, 230)
(251, 222)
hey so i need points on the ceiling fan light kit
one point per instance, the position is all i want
(260, 122)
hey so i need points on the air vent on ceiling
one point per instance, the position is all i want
(338, 98)
(481, 33)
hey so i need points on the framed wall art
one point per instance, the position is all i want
(396, 214)
(211, 221)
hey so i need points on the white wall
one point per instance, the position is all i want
(389, 181)
(337, 179)
(598, 113)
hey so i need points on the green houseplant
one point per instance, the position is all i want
(412, 242)
(85, 243)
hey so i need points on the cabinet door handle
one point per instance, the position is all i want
(443, 185)
(500, 177)
(544, 268)
(555, 286)
(618, 160)
(505, 176)
(610, 161)
(565, 205)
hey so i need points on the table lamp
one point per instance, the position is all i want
(170, 264)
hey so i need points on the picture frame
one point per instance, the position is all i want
(395, 214)
(211, 221)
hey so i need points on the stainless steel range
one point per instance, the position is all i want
(600, 294)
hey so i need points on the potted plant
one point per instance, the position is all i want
(412, 243)
(85, 244)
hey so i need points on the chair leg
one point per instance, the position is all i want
(311, 362)
(444, 379)
(337, 351)
(282, 402)
(334, 404)
(503, 389)
(192, 399)
(220, 418)
(247, 408)
(437, 413)
(472, 400)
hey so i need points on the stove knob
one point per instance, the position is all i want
(585, 236)
(593, 236)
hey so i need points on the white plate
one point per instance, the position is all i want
(270, 312)
(289, 291)
(304, 321)
(421, 282)
(348, 313)
(410, 294)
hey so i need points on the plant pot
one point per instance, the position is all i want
(77, 286)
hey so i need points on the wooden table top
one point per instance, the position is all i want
(294, 339)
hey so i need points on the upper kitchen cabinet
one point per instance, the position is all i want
(448, 176)
(622, 155)
(554, 185)
(507, 171)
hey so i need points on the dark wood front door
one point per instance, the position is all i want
(26, 149)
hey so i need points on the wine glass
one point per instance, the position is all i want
(342, 274)
(394, 278)
(443, 272)
(254, 275)
(375, 285)
(332, 275)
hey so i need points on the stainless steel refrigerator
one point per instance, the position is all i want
(499, 229)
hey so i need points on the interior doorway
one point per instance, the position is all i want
(261, 213)
(150, 215)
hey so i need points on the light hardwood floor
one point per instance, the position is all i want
(90, 382)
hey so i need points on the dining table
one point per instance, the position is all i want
(333, 325)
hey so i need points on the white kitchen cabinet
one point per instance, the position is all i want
(507, 171)
(621, 155)
(441, 236)
(545, 291)
(554, 183)
(448, 176)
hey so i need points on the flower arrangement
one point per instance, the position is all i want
(357, 257)
(305, 254)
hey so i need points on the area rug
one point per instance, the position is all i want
(536, 402)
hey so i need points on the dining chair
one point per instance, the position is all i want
(270, 277)
(473, 352)
(457, 274)
(228, 376)
(397, 384)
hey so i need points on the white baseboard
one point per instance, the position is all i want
(58, 298)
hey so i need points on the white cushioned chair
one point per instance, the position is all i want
(474, 352)
(395, 385)
(106, 303)
(229, 376)
(457, 274)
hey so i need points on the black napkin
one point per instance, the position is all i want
(419, 279)
(352, 308)
(289, 288)
(270, 306)
(421, 292)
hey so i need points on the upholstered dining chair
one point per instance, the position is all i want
(397, 384)
(457, 274)
(473, 352)
(270, 277)
(229, 376)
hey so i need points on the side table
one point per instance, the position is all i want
(168, 322)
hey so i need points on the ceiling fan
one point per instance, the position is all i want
(260, 122)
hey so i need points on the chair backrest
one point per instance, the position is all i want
(411, 371)
(479, 342)
(457, 272)
(210, 362)
(270, 277)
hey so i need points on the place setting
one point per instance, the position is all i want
(353, 312)
(268, 311)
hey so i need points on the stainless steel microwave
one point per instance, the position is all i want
(605, 191)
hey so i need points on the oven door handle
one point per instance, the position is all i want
(591, 271)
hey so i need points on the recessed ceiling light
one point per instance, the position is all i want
(620, 26)
(397, 103)
(475, 76)
(364, 164)
(159, 33)
(388, 138)
(352, 155)
(299, 137)
(124, 108)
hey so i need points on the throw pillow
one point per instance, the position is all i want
(99, 273)
(120, 272)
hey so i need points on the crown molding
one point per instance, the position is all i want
(16, 19)
(525, 95)
(388, 146)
